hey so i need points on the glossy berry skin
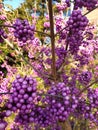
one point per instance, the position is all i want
(76, 26)
(23, 31)
(24, 94)
(85, 3)
(3, 125)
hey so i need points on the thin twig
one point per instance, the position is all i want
(60, 31)
(43, 94)
(47, 76)
(42, 33)
(52, 38)
(5, 93)
(9, 26)
(84, 89)
(1, 25)
(91, 10)
(50, 95)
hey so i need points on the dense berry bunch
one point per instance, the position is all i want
(63, 72)
(43, 117)
(84, 110)
(76, 24)
(88, 106)
(68, 2)
(40, 116)
(81, 107)
(61, 7)
(62, 101)
(61, 54)
(23, 94)
(89, 4)
(85, 77)
(2, 34)
(91, 106)
(23, 30)
(93, 97)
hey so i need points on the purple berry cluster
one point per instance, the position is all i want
(76, 24)
(61, 54)
(89, 4)
(85, 77)
(62, 101)
(61, 7)
(62, 96)
(23, 30)
(68, 3)
(93, 97)
(91, 109)
(23, 94)
(3, 124)
(40, 116)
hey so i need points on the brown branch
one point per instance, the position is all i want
(40, 94)
(42, 33)
(52, 38)
(5, 93)
(84, 89)
(60, 31)
(91, 10)
(50, 95)
(9, 26)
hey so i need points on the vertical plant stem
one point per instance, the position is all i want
(52, 38)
